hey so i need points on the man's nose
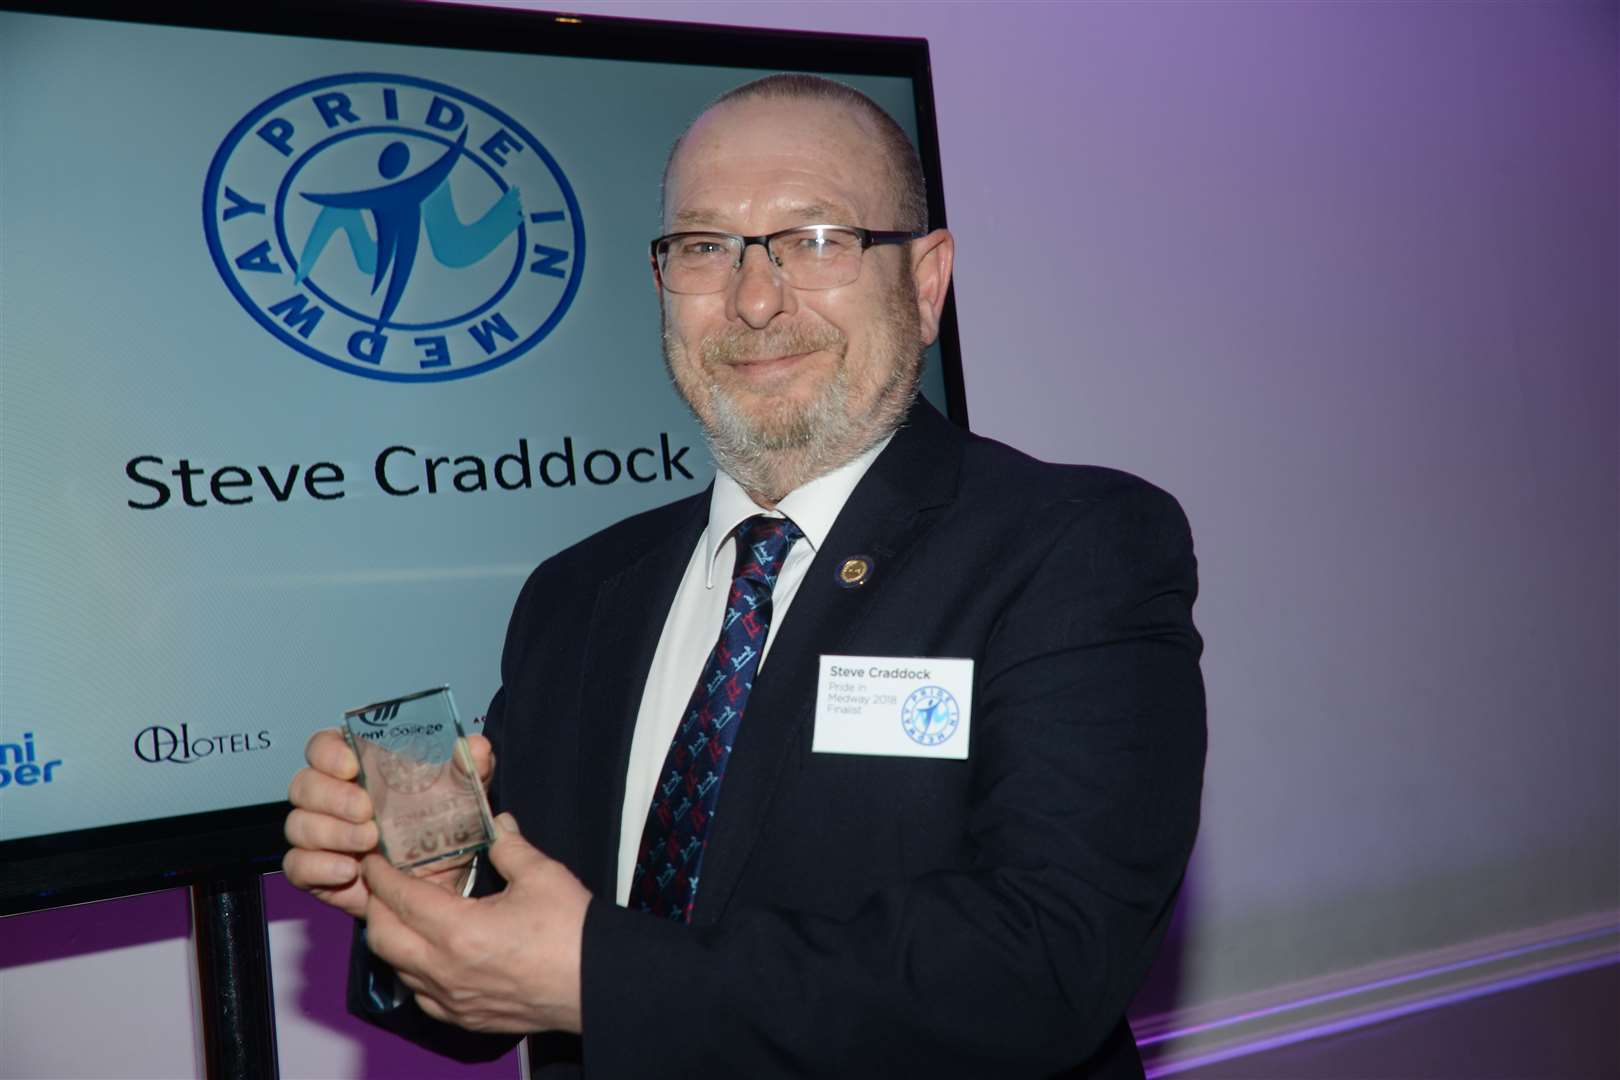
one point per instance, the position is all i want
(757, 294)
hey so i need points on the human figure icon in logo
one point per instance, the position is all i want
(926, 712)
(399, 211)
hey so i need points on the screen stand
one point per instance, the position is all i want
(233, 978)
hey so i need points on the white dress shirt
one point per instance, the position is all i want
(693, 625)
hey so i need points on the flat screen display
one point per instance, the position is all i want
(318, 330)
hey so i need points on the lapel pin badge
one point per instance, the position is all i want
(853, 571)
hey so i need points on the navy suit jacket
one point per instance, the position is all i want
(880, 916)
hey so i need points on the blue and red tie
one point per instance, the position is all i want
(676, 833)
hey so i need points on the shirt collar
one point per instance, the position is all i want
(813, 507)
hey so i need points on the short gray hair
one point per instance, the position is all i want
(899, 155)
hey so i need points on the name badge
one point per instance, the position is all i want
(897, 706)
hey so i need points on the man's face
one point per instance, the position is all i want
(767, 368)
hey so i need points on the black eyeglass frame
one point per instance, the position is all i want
(868, 237)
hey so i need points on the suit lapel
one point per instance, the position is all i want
(889, 510)
(623, 633)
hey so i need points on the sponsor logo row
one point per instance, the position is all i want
(28, 763)
(23, 766)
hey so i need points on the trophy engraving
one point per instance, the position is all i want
(417, 768)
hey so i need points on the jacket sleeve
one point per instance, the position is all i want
(1088, 751)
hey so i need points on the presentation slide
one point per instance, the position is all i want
(310, 350)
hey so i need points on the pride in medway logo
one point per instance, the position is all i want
(318, 202)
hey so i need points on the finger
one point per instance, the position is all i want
(311, 872)
(319, 869)
(434, 1009)
(423, 906)
(483, 755)
(511, 855)
(322, 793)
(474, 761)
(390, 938)
(328, 751)
(323, 832)
(351, 900)
(418, 985)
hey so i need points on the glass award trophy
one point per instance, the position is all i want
(416, 766)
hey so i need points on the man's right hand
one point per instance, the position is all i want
(331, 827)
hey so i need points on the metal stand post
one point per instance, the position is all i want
(233, 978)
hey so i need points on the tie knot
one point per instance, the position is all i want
(762, 546)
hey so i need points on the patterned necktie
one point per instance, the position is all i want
(676, 833)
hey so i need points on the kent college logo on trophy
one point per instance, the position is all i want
(394, 227)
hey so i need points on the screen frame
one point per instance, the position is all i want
(55, 869)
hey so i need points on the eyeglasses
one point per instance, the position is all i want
(805, 257)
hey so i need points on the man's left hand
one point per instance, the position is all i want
(503, 963)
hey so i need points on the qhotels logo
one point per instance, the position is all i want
(394, 227)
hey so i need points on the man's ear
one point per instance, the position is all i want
(932, 257)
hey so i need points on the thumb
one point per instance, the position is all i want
(511, 855)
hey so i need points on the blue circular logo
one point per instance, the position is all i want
(930, 715)
(394, 227)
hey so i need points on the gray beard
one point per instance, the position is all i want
(820, 438)
(771, 459)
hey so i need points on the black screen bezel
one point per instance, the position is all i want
(54, 869)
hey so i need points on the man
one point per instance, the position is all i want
(677, 908)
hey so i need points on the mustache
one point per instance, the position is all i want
(737, 345)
